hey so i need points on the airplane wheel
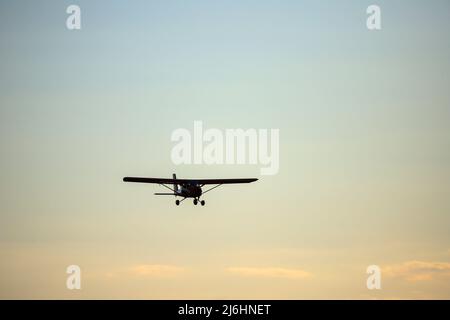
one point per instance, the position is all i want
(195, 202)
(202, 202)
(177, 202)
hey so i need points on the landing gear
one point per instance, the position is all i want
(196, 201)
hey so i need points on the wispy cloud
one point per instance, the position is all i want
(156, 270)
(417, 270)
(148, 271)
(270, 272)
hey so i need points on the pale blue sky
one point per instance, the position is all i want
(363, 119)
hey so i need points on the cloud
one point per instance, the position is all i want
(155, 270)
(270, 272)
(417, 270)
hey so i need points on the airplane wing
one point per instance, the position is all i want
(188, 181)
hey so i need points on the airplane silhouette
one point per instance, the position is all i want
(187, 188)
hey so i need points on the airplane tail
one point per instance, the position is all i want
(175, 186)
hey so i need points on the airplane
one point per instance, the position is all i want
(187, 188)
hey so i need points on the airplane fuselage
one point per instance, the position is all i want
(189, 191)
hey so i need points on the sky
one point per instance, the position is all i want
(364, 174)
